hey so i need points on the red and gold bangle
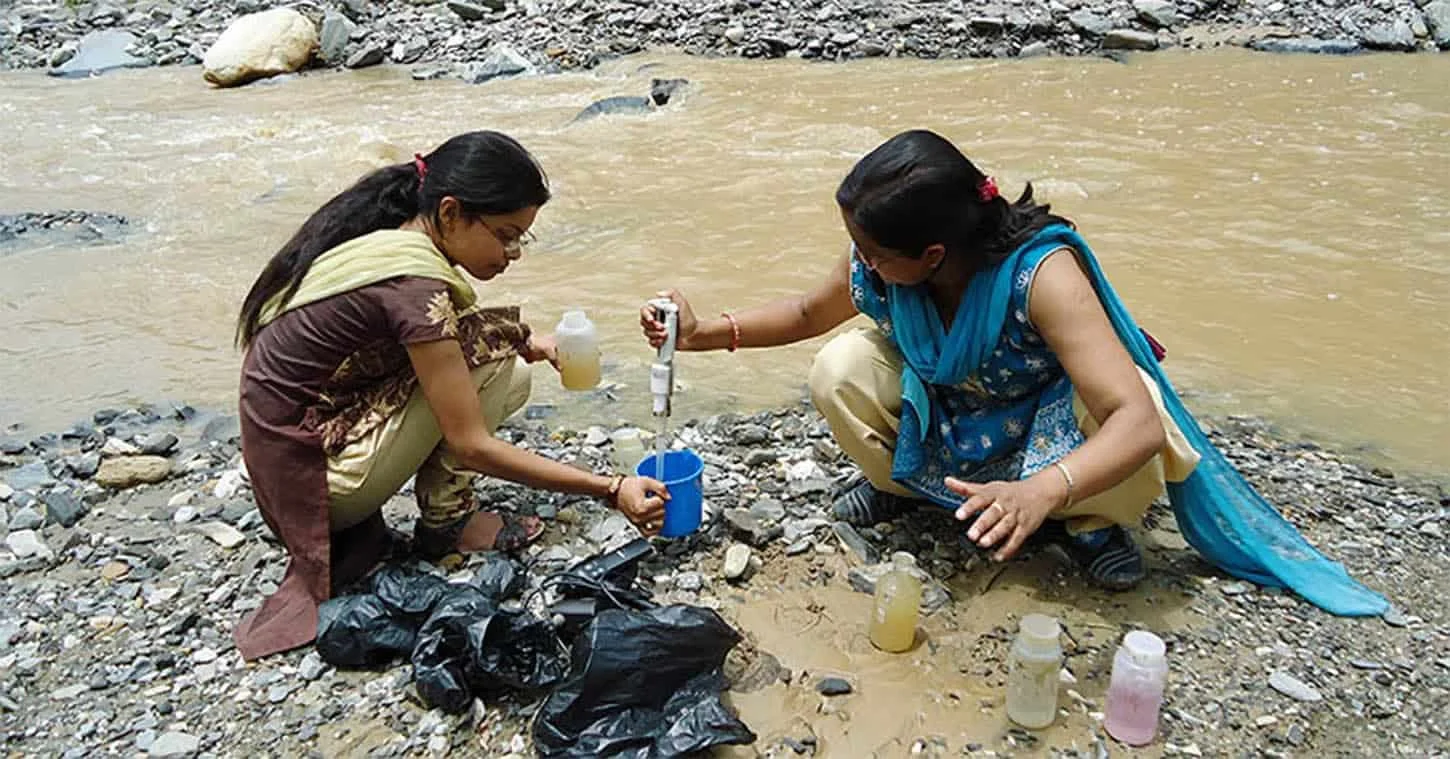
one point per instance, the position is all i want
(734, 331)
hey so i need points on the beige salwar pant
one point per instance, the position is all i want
(370, 470)
(855, 383)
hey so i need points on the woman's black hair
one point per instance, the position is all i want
(917, 190)
(489, 174)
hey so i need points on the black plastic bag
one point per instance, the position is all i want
(441, 657)
(360, 632)
(371, 629)
(499, 578)
(643, 685)
(408, 593)
(515, 650)
(469, 647)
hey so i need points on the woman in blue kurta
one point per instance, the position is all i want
(1003, 379)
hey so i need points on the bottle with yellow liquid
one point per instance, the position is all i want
(898, 604)
(578, 351)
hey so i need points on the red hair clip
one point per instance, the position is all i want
(987, 190)
(421, 167)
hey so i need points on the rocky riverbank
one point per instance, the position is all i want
(132, 545)
(562, 34)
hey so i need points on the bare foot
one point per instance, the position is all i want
(481, 532)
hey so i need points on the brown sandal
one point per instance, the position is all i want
(517, 532)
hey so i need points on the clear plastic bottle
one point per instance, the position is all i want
(898, 604)
(1033, 672)
(1135, 694)
(578, 344)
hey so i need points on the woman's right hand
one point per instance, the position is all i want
(635, 502)
(654, 329)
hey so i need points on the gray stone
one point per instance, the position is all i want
(312, 667)
(63, 509)
(84, 465)
(1035, 50)
(433, 72)
(1158, 13)
(1437, 18)
(332, 47)
(175, 746)
(1394, 617)
(745, 526)
(626, 104)
(596, 436)
(855, 544)
(1294, 688)
(410, 49)
(99, 52)
(1090, 23)
(1397, 36)
(469, 11)
(26, 518)
(988, 24)
(184, 514)
(158, 444)
(222, 534)
(32, 476)
(26, 543)
(845, 39)
(760, 457)
(750, 434)
(370, 55)
(690, 581)
(735, 35)
(768, 510)
(6, 491)
(737, 561)
(1236, 589)
(834, 686)
(1306, 45)
(1130, 39)
(501, 61)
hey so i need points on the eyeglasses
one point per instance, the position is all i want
(512, 246)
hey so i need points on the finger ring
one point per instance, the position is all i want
(997, 506)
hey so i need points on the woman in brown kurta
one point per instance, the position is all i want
(368, 361)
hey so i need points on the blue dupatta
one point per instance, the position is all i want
(1219, 512)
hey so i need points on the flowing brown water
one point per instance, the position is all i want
(1279, 222)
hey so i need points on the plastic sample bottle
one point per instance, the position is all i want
(578, 351)
(1135, 694)
(1033, 668)
(898, 604)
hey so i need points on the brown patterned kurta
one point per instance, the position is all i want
(315, 379)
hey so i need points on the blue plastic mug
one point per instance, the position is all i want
(684, 475)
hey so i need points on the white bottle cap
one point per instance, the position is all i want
(1144, 648)
(574, 320)
(1039, 633)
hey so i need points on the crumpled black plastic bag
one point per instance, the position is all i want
(470, 647)
(370, 629)
(643, 685)
(440, 659)
(499, 578)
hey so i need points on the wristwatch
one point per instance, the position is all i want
(614, 486)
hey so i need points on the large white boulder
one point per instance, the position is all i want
(278, 41)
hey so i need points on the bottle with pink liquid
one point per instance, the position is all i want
(1135, 694)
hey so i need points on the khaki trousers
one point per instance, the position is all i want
(855, 383)
(369, 471)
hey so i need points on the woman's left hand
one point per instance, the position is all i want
(541, 348)
(1010, 511)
